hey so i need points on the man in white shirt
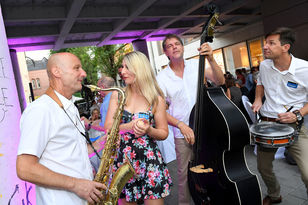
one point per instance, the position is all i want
(283, 81)
(52, 153)
(179, 84)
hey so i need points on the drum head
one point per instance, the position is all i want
(271, 129)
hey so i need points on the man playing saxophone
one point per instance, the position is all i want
(53, 151)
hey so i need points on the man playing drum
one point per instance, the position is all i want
(283, 81)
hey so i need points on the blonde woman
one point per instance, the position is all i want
(144, 121)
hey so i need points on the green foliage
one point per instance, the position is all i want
(108, 58)
(77, 94)
(105, 59)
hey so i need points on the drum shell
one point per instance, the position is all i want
(272, 134)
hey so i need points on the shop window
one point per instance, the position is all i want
(255, 49)
(236, 56)
(219, 59)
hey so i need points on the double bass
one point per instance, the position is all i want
(218, 173)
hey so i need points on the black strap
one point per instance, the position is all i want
(50, 92)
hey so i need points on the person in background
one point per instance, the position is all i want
(53, 152)
(167, 149)
(249, 81)
(104, 83)
(144, 122)
(95, 114)
(244, 73)
(283, 81)
(179, 84)
(240, 77)
(252, 92)
(94, 134)
(234, 93)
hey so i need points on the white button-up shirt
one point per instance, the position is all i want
(181, 91)
(283, 89)
(48, 133)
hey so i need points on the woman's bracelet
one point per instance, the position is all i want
(89, 125)
(177, 124)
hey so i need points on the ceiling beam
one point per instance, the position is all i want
(33, 13)
(197, 24)
(146, 26)
(137, 9)
(239, 19)
(44, 13)
(84, 28)
(238, 28)
(14, 14)
(74, 11)
(70, 23)
(32, 45)
(194, 5)
(32, 31)
(73, 44)
(104, 12)
(223, 11)
(158, 11)
(231, 6)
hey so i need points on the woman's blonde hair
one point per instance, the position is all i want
(145, 80)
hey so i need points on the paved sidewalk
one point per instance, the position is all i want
(293, 190)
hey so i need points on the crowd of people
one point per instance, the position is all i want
(242, 84)
(54, 152)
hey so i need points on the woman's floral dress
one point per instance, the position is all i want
(152, 179)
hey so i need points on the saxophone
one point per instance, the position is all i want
(126, 171)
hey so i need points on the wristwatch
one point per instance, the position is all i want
(298, 115)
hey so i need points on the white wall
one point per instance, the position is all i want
(12, 190)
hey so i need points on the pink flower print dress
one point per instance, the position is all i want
(152, 179)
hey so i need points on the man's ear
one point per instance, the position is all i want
(55, 71)
(286, 47)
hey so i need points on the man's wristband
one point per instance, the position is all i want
(299, 117)
(177, 124)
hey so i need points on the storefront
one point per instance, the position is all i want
(245, 54)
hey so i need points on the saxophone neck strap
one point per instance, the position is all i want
(51, 93)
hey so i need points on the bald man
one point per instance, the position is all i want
(53, 154)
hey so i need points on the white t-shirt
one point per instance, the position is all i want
(283, 89)
(167, 147)
(181, 92)
(48, 133)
